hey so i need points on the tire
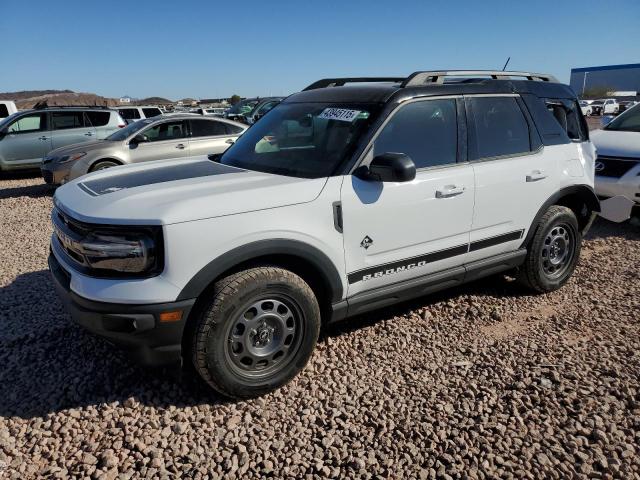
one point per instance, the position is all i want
(553, 252)
(102, 164)
(256, 332)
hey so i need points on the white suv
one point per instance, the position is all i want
(342, 199)
(133, 114)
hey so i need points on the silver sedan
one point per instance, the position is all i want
(157, 138)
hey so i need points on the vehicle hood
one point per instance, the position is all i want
(178, 190)
(616, 144)
(79, 147)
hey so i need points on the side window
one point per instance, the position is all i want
(232, 129)
(97, 119)
(129, 113)
(206, 128)
(569, 116)
(29, 123)
(165, 131)
(66, 120)
(499, 128)
(4, 111)
(151, 112)
(426, 131)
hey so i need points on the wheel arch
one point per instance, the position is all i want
(581, 199)
(104, 159)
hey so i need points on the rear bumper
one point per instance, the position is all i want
(135, 328)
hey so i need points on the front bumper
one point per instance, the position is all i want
(55, 174)
(135, 328)
(627, 186)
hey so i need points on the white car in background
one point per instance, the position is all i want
(610, 106)
(617, 167)
(133, 114)
(585, 106)
(7, 107)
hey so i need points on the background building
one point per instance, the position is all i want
(620, 80)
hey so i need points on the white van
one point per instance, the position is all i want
(7, 107)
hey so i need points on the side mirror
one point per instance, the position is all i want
(606, 120)
(140, 138)
(388, 167)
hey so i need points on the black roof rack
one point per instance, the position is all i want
(437, 77)
(44, 105)
(339, 82)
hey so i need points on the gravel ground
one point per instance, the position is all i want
(484, 381)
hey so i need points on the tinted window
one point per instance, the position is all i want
(28, 123)
(426, 131)
(566, 114)
(165, 131)
(233, 129)
(629, 121)
(66, 120)
(98, 119)
(206, 128)
(129, 113)
(151, 112)
(500, 128)
(4, 111)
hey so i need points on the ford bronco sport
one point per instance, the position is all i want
(350, 195)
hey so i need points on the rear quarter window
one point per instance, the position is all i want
(98, 119)
(129, 113)
(151, 112)
(233, 129)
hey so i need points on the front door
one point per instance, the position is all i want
(399, 231)
(209, 137)
(27, 140)
(164, 140)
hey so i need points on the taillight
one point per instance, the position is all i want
(122, 125)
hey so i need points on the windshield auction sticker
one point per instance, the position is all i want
(341, 114)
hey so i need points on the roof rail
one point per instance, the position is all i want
(339, 82)
(437, 77)
(44, 105)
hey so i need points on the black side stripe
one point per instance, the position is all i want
(422, 260)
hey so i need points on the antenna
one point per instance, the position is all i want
(506, 63)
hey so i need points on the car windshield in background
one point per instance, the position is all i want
(130, 129)
(307, 140)
(627, 122)
(245, 106)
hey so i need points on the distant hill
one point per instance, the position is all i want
(28, 98)
(154, 101)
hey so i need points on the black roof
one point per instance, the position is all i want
(381, 90)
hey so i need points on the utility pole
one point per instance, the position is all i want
(584, 82)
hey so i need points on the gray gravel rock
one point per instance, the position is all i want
(484, 381)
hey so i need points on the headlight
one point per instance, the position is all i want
(71, 158)
(110, 251)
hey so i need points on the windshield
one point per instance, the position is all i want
(242, 107)
(629, 121)
(307, 140)
(130, 129)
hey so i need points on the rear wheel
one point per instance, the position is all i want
(554, 251)
(102, 164)
(257, 332)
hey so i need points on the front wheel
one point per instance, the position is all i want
(256, 332)
(553, 252)
(102, 164)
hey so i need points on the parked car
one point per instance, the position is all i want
(617, 167)
(27, 136)
(586, 108)
(263, 107)
(596, 107)
(7, 107)
(343, 199)
(133, 114)
(157, 138)
(610, 106)
(627, 104)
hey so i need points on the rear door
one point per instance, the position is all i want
(27, 140)
(69, 127)
(167, 139)
(514, 175)
(394, 232)
(209, 137)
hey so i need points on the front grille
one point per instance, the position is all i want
(614, 167)
(68, 233)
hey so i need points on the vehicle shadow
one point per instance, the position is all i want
(50, 364)
(32, 191)
(601, 228)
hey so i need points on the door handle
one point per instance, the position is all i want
(231, 141)
(180, 146)
(88, 134)
(535, 176)
(43, 138)
(449, 191)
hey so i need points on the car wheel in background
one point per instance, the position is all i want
(102, 164)
(256, 331)
(553, 252)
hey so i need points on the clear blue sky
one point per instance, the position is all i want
(204, 48)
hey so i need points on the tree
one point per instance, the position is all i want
(597, 91)
(234, 99)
